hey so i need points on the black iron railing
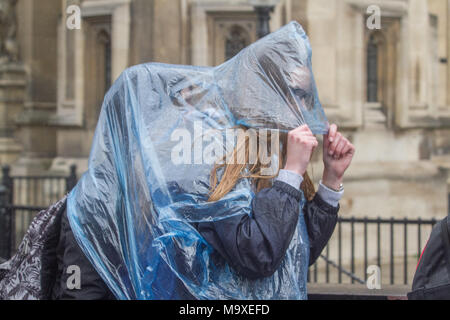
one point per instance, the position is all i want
(38, 191)
(22, 197)
(394, 245)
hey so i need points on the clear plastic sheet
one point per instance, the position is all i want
(134, 211)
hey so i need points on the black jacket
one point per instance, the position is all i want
(254, 246)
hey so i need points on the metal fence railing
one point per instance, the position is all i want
(39, 190)
(22, 197)
(394, 245)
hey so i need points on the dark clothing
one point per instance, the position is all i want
(253, 245)
(69, 253)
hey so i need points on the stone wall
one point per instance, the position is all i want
(402, 141)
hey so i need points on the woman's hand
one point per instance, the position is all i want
(337, 155)
(300, 146)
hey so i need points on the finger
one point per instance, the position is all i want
(304, 128)
(346, 149)
(334, 144)
(332, 132)
(309, 138)
(311, 141)
(297, 132)
(306, 135)
(352, 149)
(342, 143)
(313, 145)
(300, 128)
(350, 152)
(314, 141)
(300, 138)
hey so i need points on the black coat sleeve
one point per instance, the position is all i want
(320, 219)
(255, 245)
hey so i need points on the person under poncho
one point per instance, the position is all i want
(134, 212)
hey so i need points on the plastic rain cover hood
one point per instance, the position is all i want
(133, 212)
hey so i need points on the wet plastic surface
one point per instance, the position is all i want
(133, 212)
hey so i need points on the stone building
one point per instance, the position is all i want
(388, 87)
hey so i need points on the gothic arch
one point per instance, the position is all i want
(236, 39)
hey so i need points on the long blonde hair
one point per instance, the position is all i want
(233, 172)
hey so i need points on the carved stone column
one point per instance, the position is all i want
(12, 83)
(38, 52)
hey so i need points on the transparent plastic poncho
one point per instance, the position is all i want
(134, 211)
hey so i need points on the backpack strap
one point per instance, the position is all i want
(446, 239)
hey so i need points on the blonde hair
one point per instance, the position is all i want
(233, 172)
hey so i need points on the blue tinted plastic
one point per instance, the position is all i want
(133, 212)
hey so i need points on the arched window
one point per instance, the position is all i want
(237, 39)
(97, 64)
(104, 39)
(381, 58)
(372, 69)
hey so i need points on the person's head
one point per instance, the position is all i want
(275, 88)
(234, 170)
(294, 81)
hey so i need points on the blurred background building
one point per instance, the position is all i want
(388, 87)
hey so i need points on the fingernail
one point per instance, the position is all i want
(330, 153)
(331, 139)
